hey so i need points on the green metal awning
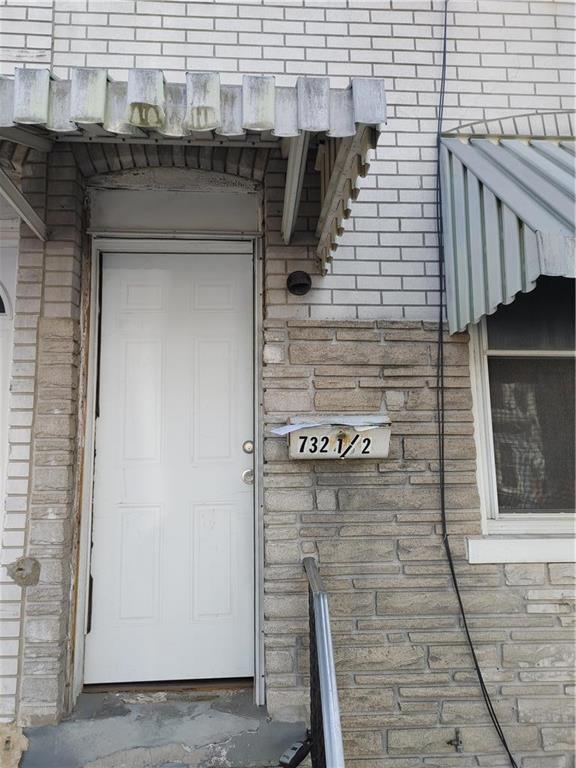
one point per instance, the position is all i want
(508, 218)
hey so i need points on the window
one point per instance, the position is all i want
(525, 365)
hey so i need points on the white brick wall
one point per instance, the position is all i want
(505, 58)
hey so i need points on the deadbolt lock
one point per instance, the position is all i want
(248, 476)
(248, 446)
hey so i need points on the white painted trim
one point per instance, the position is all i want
(530, 353)
(248, 234)
(202, 242)
(518, 550)
(259, 660)
(482, 429)
(492, 521)
(10, 192)
(83, 578)
(295, 169)
(533, 523)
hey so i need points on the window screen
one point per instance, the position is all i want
(533, 425)
(531, 372)
(542, 319)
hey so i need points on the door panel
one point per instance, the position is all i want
(172, 557)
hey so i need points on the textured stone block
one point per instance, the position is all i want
(546, 710)
(563, 595)
(58, 375)
(357, 700)
(346, 353)
(426, 549)
(562, 573)
(326, 500)
(403, 497)
(275, 449)
(273, 353)
(49, 532)
(363, 743)
(474, 712)
(43, 629)
(430, 603)
(425, 399)
(285, 606)
(288, 501)
(407, 353)
(559, 739)
(559, 761)
(427, 448)
(52, 478)
(539, 655)
(524, 573)
(282, 552)
(380, 657)
(287, 401)
(279, 661)
(40, 689)
(58, 328)
(290, 705)
(352, 603)
(355, 551)
(348, 400)
(459, 657)
(421, 690)
(434, 741)
(311, 334)
(55, 426)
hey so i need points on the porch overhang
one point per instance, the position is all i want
(37, 109)
(508, 218)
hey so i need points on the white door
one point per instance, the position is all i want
(172, 556)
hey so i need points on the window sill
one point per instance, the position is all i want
(520, 525)
(522, 550)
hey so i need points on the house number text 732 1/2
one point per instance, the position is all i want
(335, 441)
(339, 446)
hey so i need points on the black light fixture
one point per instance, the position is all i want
(299, 283)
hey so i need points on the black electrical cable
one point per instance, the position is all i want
(440, 405)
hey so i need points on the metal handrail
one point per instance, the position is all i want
(321, 646)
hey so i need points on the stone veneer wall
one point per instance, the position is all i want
(404, 671)
(34, 642)
(405, 675)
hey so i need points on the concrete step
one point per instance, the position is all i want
(162, 729)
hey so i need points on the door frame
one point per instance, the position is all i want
(162, 244)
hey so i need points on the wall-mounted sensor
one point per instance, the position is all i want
(299, 283)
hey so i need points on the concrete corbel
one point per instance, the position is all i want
(10, 192)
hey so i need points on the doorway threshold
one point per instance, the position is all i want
(216, 684)
(144, 727)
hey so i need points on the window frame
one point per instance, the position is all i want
(494, 522)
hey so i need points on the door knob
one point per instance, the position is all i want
(248, 446)
(248, 476)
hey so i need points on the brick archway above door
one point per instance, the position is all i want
(102, 158)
